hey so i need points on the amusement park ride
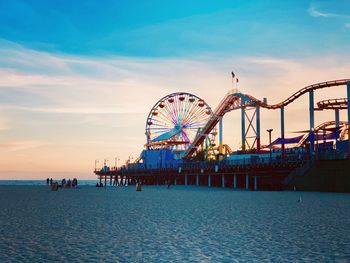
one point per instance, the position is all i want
(181, 132)
(175, 120)
(182, 122)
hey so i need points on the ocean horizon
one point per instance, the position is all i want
(43, 182)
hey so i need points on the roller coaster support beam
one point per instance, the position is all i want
(206, 147)
(312, 121)
(282, 131)
(220, 136)
(243, 125)
(336, 111)
(258, 128)
(348, 97)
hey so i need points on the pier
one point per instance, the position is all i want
(261, 175)
(181, 143)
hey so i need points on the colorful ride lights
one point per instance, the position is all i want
(175, 120)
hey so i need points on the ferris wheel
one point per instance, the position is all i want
(175, 120)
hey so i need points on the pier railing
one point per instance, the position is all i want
(299, 163)
(225, 166)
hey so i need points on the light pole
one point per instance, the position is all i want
(116, 171)
(270, 146)
(105, 170)
(116, 159)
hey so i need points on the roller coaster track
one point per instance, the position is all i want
(301, 92)
(331, 104)
(342, 124)
(235, 100)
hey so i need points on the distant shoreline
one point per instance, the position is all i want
(41, 182)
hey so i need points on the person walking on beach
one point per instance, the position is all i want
(47, 181)
(75, 182)
(50, 181)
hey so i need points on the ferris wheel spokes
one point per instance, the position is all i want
(174, 121)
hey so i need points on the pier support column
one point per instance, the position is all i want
(197, 180)
(209, 181)
(206, 147)
(186, 179)
(336, 112)
(223, 181)
(175, 181)
(220, 137)
(235, 182)
(312, 121)
(282, 131)
(255, 183)
(243, 125)
(247, 182)
(348, 97)
(258, 128)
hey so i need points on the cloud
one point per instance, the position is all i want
(80, 110)
(77, 109)
(313, 11)
(316, 13)
(20, 145)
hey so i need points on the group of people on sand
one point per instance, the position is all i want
(70, 183)
(64, 184)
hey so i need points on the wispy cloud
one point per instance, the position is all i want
(20, 145)
(76, 110)
(343, 19)
(316, 13)
(313, 11)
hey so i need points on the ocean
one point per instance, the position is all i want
(42, 182)
(180, 224)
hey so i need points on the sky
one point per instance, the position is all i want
(78, 78)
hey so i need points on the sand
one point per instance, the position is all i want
(179, 224)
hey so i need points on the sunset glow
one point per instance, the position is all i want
(76, 87)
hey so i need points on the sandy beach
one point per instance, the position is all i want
(179, 224)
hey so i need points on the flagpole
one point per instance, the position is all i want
(233, 77)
